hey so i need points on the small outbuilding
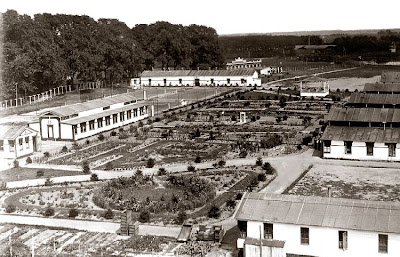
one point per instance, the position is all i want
(18, 141)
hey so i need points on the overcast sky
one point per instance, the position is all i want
(227, 17)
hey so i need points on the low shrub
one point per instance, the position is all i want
(94, 177)
(144, 216)
(73, 213)
(214, 212)
(64, 149)
(46, 154)
(231, 203)
(191, 168)
(261, 177)
(182, 216)
(16, 164)
(28, 160)
(11, 208)
(162, 172)
(109, 214)
(198, 159)
(39, 173)
(85, 167)
(48, 182)
(49, 212)
(150, 163)
(109, 166)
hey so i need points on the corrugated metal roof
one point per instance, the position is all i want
(93, 104)
(10, 132)
(362, 98)
(321, 211)
(78, 120)
(381, 87)
(362, 134)
(364, 114)
(390, 77)
(198, 73)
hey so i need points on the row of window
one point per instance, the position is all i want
(197, 81)
(12, 145)
(370, 148)
(342, 237)
(107, 120)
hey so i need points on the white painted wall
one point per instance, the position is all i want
(254, 250)
(324, 241)
(66, 131)
(44, 125)
(359, 152)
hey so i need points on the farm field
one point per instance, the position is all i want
(359, 182)
(51, 242)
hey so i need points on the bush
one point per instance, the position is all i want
(101, 137)
(73, 213)
(144, 216)
(49, 212)
(16, 164)
(221, 163)
(94, 177)
(214, 212)
(85, 167)
(191, 168)
(109, 214)
(150, 163)
(239, 196)
(48, 182)
(139, 173)
(182, 216)
(162, 172)
(109, 166)
(46, 154)
(197, 160)
(268, 168)
(39, 173)
(28, 160)
(259, 161)
(261, 177)
(231, 203)
(64, 149)
(243, 153)
(11, 208)
(306, 140)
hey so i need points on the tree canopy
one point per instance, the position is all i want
(51, 50)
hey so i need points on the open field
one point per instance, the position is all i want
(22, 173)
(367, 71)
(357, 182)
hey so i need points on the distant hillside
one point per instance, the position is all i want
(316, 33)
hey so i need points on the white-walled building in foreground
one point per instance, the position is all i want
(317, 226)
(77, 121)
(18, 140)
(236, 77)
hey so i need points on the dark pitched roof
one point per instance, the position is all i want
(297, 47)
(362, 98)
(321, 211)
(198, 73)
(390, 77)
(381, 87)
(364, 114)
(362, 134)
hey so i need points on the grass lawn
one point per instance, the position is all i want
(17, 174)
(362, 72)
(381, 184)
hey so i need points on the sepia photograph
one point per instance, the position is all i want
(199, 128)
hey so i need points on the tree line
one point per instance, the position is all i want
(48, 50)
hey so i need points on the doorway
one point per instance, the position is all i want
(50, 131)
(197, 82)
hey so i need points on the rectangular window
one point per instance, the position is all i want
(165, 82)
(135, 113)
(83, 127)
(370, 148)
(122, 116)
(11, 145)
(268, 231)
(106, 108)
(228, 81)
(20, 141)
(383, 243)
(327, 146)
(27, 142)
(348, 145)
(115, 118)
(75, 129)
(108, 121)
(392, 149)
(212, 81)
(1, 145)
(128, 114)
(180, 81)
(343, 240)
(100, 122)
(149, 82)
(91, 125)
(243, 81)
(305, 236)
